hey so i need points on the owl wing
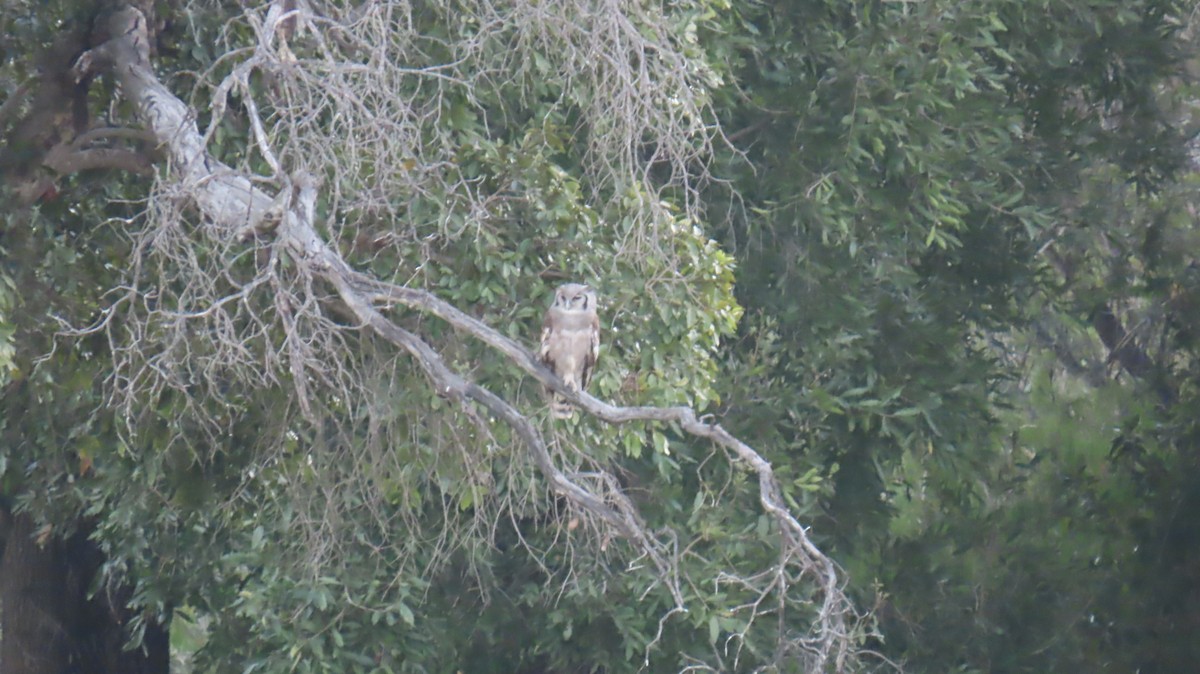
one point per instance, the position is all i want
(592, 355)
(543, 353)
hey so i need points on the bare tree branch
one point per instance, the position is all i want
(235, 207)
(222, 194)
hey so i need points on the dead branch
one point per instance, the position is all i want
(235, 207)
(223, 194)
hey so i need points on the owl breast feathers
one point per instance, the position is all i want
(570, 341)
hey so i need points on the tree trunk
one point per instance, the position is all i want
(48, 623)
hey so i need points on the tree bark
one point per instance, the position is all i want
(48, 622)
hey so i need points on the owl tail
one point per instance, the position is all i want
(559, 407)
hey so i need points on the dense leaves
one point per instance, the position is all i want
(941, 199)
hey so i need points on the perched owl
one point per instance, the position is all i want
(570, 341)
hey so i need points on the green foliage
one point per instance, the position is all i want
(907, 167)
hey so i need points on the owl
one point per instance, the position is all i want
(570, 341)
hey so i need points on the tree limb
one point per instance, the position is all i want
(65, 160)
(224, 195)
(229, 201)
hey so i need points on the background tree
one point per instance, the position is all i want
(955, 216)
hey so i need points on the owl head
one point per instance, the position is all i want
(575, 297)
